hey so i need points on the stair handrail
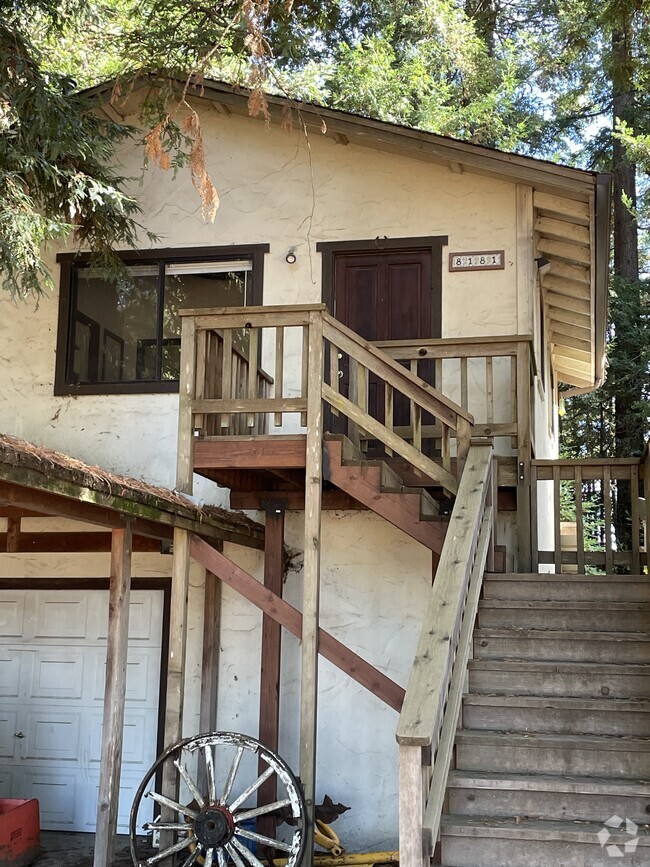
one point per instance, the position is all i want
(427, 398)
(429, 716)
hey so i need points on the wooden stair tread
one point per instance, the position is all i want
(569, 783)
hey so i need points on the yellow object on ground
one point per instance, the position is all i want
(349, 860)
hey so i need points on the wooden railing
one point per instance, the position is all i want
(602, 498)
(429, 717)
(224, 390)
(490, 377)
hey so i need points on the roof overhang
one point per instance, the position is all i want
(571, 211)
(45, 482)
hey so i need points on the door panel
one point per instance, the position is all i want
(52, 695)
(383, 295)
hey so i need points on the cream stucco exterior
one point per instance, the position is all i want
(287, 190)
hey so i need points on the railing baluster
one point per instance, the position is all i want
(513, 397)
(463, 383)
(253, 345)
(445, 447)
(388, 413)
(580, 528)
(334, 372)
(557, 530)
(489, 389)
(201, 372)
(279, 370)
(534, 529)
(305, 371)
(636, 521)
(227, 374)
(607, 504)
(354, 434)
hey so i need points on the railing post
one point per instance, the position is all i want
(412, 805)
(524, 558)
(311, 574)
(186, 393)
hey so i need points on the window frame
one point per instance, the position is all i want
(68, 263)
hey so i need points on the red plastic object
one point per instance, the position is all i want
(19, 832)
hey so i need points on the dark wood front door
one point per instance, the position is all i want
(391, 294)
(384, 295)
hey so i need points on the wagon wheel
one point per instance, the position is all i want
(210, 824)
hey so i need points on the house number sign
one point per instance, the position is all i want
(480, 260)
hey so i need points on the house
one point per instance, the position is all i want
(369, 342)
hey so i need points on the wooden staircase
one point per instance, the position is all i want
(378, 487)
(555, 727)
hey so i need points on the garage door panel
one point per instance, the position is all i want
(8, 728)
(53, 736)
(12, 615)
(129, 782)
(58, 675)
(9, 673)
(52, 690)
(57, 793)
(142, 675)
(140, 731)
(144, 618)
(61, 614)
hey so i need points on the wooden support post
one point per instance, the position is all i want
(270, 669)
(311, 575)
(175, 674)
(114, 697)
(209, 663)
(13, 535)
(411, 808)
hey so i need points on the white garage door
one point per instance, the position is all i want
(52, 670)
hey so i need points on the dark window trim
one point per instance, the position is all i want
(434, 243)
(67, 261)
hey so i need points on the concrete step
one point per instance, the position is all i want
(579, 588)
(574, 616)
(549, 644)
(583, 755)
(495, 842)
(577, 679)
(605, 716)
(546, 796)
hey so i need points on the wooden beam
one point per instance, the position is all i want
(12, 536)
(311, 573)
(209, 662)
(293, 500)
(333, 650)
(114, 698)
(250, 452)
(577, 211)
(567, 302)
(574, 254)
(269, 724)
(30, 489)
(69, 542)
(175, 692)
(562, 230)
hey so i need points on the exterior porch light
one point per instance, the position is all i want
(291, 257)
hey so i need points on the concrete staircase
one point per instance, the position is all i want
(555, 736)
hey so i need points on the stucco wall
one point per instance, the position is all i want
(279, 189)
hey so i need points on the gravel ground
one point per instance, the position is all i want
(60, 849)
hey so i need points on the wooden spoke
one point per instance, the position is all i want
(232, 773)
(177, 847)
(209, 858)
(192, 858)
(260, 838)
(234, 854)
(260, 811)
(209, 765)
(252, 788)
(222, 858)
(167, 826)
(248, 855)
(189, 782)
(173, 805)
